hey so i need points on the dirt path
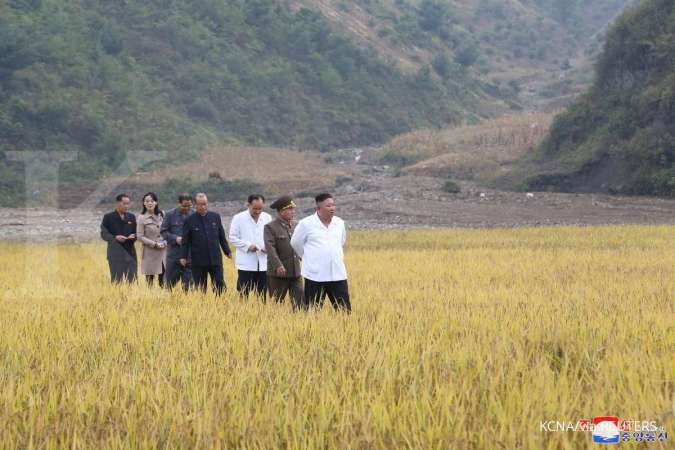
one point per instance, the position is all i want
(372, 199)
(372, 196)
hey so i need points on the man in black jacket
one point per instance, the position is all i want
(172, 231)
(203, 238)
(118, 229)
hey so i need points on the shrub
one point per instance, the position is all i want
(451, 187)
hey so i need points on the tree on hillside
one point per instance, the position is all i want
(433, 15)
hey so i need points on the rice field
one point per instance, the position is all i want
(458, 339)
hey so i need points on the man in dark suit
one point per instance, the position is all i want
(283, 264)
(118, 229)
(172, 231)
(203, 238)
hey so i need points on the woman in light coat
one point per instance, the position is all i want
(154, 246)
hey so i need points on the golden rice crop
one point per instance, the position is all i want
(458, 339)
(482, 151)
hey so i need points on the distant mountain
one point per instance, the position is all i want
(526, 51)
(106, 78)
(110, 77)
(620, 137)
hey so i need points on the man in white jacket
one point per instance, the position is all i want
(247, 235)
(318, 240)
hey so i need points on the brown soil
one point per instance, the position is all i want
(374, 197)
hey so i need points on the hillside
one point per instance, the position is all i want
(528, 52)
(471, 152)
(109, 78)
(620, 137)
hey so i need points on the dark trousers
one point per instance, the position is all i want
(199, 273)
(248, 280)
(123, 270)
(175, 272)
(150, 279)
(337, 291)
(279, 287)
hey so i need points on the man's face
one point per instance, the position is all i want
(123, 205)
(255, 208)
(326, 208)
(202, 205)
(185, 206)
(287, 214)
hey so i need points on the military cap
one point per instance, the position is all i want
(283, 202)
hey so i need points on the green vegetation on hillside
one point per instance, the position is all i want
(106, 78)
(620, 137)
(492, 36)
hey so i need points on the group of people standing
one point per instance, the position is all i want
(274, 256)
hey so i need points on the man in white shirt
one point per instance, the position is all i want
(318, 240)
(247, 235)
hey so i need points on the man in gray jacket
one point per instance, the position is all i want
(172, 231)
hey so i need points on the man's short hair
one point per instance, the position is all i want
(121, 196)
(200, 195)
(253, 197)
(183, 196)
(321, 197)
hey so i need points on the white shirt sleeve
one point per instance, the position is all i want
(298, 239)
(235, 235)
(344, 234)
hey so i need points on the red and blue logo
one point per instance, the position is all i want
(606, 430)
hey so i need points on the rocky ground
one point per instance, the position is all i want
(374, 197)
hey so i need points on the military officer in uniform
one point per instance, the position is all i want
(283, 264)
(118, 229)
(172, 232)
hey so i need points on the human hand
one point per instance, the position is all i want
(183, 262)
(179, 240)
(120, 238)
(281, 271)
(252, 248)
